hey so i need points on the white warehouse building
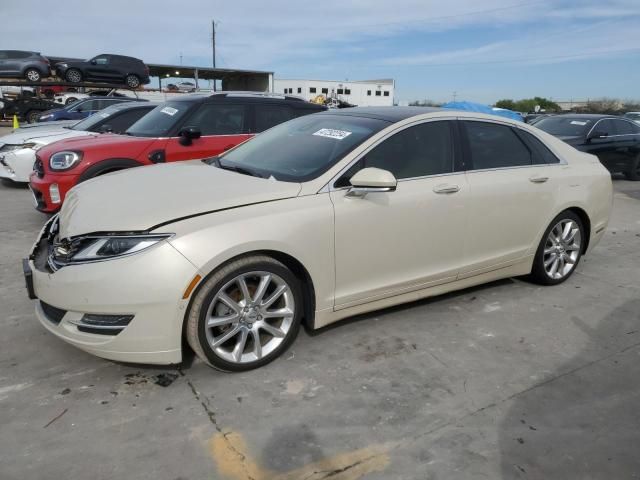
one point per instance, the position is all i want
(364, 93)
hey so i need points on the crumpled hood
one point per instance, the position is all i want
(141, 198)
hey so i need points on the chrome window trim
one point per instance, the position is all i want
(329, 186)
(633, 124)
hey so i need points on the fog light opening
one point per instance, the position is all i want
(54, 193)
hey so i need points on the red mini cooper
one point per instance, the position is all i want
(192, 127)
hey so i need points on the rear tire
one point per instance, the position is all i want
(559, 251)
(70, 100)
(245, 315)
(73, 75)
(32, 74)
(132, 81)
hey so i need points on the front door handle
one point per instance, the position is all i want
(537, 179)
(446, 188)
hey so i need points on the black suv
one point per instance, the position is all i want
(115, 69)
(18, 64)
(614, 140)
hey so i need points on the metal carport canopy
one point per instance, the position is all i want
(232, 79)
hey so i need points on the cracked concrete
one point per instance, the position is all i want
(546, 386)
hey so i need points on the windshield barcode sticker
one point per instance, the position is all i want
(331, 133)
(169, 111)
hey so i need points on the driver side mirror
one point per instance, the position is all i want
(371, 180)
(597, 134)
(93, 62)
(188, 134)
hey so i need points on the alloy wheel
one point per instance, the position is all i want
(33, 75)
(562, 249)
(132, 81)
(249, 317)
(74, 76)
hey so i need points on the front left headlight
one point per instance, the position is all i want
(64, 160)
(102, 247)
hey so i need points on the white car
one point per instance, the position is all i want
(18, 149)
(317, 219)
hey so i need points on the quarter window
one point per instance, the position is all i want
(495, 146)
(541, 154)
(215, 119)
(425, 149)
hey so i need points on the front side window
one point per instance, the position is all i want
(418, 151)
(495, 146)
(605, 128)
(86, 106)
(218, 119)
(302, 149)
(101, 60)
(120, 122)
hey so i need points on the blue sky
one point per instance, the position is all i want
(484, 51)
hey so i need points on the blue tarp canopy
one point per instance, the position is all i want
(480, 108)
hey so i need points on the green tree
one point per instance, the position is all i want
(506, 103)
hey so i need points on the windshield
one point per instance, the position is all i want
(69, 106)
(159, 121)
(565, 126)
(302, 149)
(89, 122)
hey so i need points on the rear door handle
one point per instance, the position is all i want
(446, 188)
(537, 179)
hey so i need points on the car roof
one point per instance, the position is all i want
(245, 97)
(589, 116)
(388, 114)
(131, 105)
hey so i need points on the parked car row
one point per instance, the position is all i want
(319, 218)
(116, 69)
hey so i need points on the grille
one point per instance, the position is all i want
(38, 167)
(53, 314)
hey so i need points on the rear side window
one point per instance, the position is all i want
(268, 116)
(541, 154)
(216, 119)
(418, 151)
(495, 146)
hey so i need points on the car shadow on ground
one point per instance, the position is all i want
(10, 184)
(582, 421)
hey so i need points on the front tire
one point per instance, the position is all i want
(33, 75)
(73, 75)
(245, 315)
(559, 251)
(132, 81)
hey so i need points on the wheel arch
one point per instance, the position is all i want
(292, 263)
(586, 223)
(107, 166)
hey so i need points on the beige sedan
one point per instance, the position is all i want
(315, 220)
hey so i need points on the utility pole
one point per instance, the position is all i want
(455, 94)
(213, 45)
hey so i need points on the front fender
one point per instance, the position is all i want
(300, 227)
